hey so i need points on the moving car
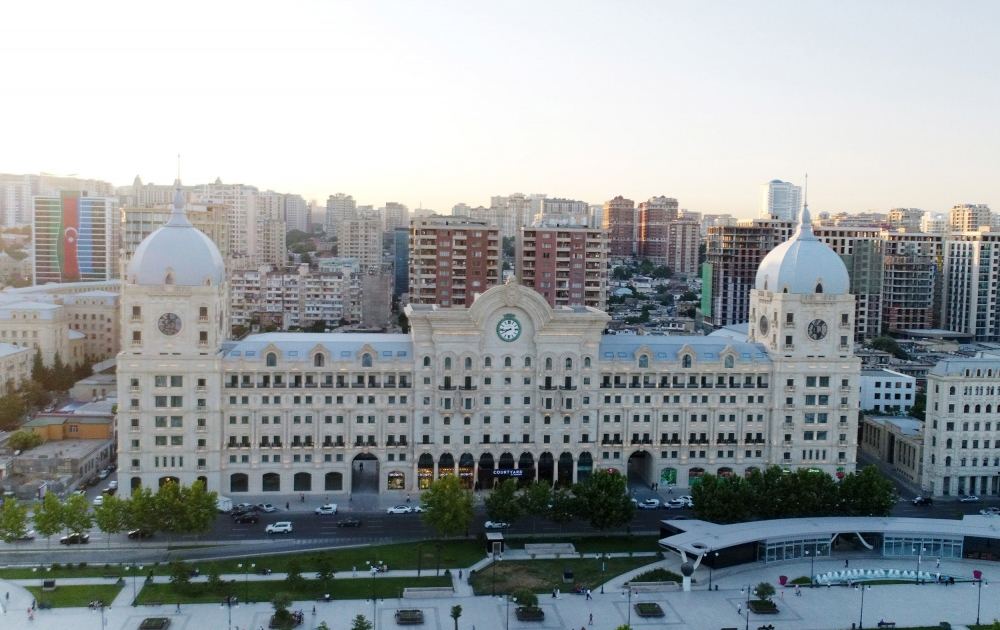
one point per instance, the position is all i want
(140, 534)
(281, 527)
(28, 536)
(990, 511)
(99, 500)
(496, 525)
(676, 504)
(266, 507)
(399, 509)
(329, 508)
(103, 473)
(113, 485)
(75, 539)
(648, 504)
(349, 522)
(969, 498)
(923, 501)
(687, 498)
(246, 518)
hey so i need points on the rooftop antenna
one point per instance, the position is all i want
(805, 194)
(178, 167)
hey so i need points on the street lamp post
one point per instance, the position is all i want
(374, 569)
(747, 606)
(979, 599)
(246, 578)
(509, 599)
(227, 603)
(812, 567)
(135, 569)
(104, 622)
(919, 551)
(604, 566)
(861, 617)
(495, 561)
(711, 567)
(629, 622)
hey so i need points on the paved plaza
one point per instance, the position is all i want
(823, 608)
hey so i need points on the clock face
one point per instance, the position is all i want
(817, 329)
(508, 328)
(763, 325)
(169, 324)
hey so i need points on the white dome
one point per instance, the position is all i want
(177, 253)
(803, 264)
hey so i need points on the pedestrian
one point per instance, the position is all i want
(937, 566)
(32, 604)
(553, 593)
(354, 571)
(302, 498)
(782, 594)
(739, 609)
(847, 563)
(178, 609)
(287, 506)
(557, 593)
(460, 574)
(590, 620)
(314, 610)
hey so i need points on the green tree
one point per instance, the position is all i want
(866, 493)
(11, 411)
(456, 612)
(535, 500)
(662, 272)
(602, 499)
(170, 509)
(34, 395)
(39, 374)
(722, 499)
(919, 408)
(508, 246)
(24, 439)
(61, 376)
(646, 267)
(293, 577)
(620, 273)
(503, 504)
(76, 515)
(49, 516)
(111, 516)
(447, 507)
(404, 322)
(180, 576)
(764, 591)
(361, 623)
(526, 598)
(564, 506)
(689, 296)
(142, 511)
(13, 520)
(890, 345)
(324, 570)
(199, 509)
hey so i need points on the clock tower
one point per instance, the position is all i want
(174, 318)
(802, 312)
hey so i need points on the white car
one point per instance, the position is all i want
(687, 498)
(113, 484)
(399, 509)
(969, 498)
(99, 500)
(648, 504)
(281, 527)
(103, 474)
(990, 511)
(266, 507)
(496, 525)
(329, 508)
(676, 504)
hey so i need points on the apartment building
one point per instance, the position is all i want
(567, 263)
(452, 259)
(655, 215)
(970, 277)
(969, 217)
(297, 298)
(884, 391)
(618, 218)
(361, 238)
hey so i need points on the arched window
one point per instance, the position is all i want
(487, 362)
(965, 409)
(318, 360)
(569, 364)
(819, 287)
(978, 409)
(506, 362)
(468, 363)
(730, 362)
(527, 362)
(366, 360)
(586, 362)
(947, 444)
(686, 361)
(548, 363)
(170, 278)
(644, 361)
(271, 360)
(427, 361)
(447, 363)
(947, 461)
(951, 390)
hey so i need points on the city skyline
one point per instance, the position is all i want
(435, 104)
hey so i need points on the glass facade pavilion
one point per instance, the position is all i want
(888, 546)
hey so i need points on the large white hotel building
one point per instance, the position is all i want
(506, 387)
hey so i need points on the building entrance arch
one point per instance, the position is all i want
(364, 473)
(485, 478)
(466, 470)
(564, 470)
(640, 469)
(546, 468)
(526, 463)
(584, 466)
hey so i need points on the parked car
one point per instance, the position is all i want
(109, 491)
(113, 485)
(969, 498)
(676, 504)
(990, 511)
(399, 509)
(242, 507)
(496, 525)
(103, 473)
(281, 527)
(649, 504)
(349, 522)
(329, 508)
(99, 500)
(246, 518)
(266, 507)
(923, 501)
(28, 536)
(140, 534)
(687, 498)
(75, 539)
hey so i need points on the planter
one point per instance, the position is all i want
(529, 614)
(763, 607)
(154, 623)
(290, 620)
(648, 609)
(409, 617)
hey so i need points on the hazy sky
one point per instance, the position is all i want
(887, 103)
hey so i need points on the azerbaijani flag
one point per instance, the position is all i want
(69, 230)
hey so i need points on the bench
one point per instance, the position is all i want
(653, 587)
(409, 616)
(110, 576)
(549, 548)
(769, 626)
(154, 603)
(416, 592)
(887, 624)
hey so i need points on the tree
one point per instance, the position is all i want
(13, 520)
(890, 345)
(526, 598)
(620, 273)
(61, 377)
(764, 591)
(170, 508)
(404, 322)
(447, 507)
(536, 499)
(49, 516)
(456, 612)
(199, 508)
(646, 267)
(142, 511)
(919, 408)
(722, 499)
(23, 440)
(867, 493)
(34, 395)
(11, 411)
(180, 576)
(76, 516)
(361, 623)
(564, 506)
(324, 570)
(689, 296)
(503, 504)
(662, 272)
(293, 577)
(38, 372)
(603, 500)
(111, 516)
(508, 246)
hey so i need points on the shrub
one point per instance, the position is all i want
(526, 599)
(801, 580)
(658, 575)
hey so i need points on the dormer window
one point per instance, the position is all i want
(686, 361)
(819, 287)
(318, 360)
(271, 360)
(729, 361)
(366, 360)
(644, 361)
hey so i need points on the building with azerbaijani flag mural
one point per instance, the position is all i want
(75, 237)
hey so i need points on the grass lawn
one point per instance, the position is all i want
(540, 576)
(77, 595)
(262, 591)
(594, 544)
(62, 571)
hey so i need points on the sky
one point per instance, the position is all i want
(430, 103)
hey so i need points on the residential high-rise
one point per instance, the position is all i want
(733, 253)
(905, 218)
(138, 223)
(452, 259)
(361, 238)
(619, 220)
(75, 238)
(565, 261)
(911, 285)
(401, 261)
(780, 200)
(969, 217)
(655, 214)
(240, 201)
(296, 213)
(339, 207)
(860, 249)
(575, 209)
(394, 215)
(971, 301)
(513, 212)
(934, 223)
(683, 239)
(295, 298)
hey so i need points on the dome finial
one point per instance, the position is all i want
(178, 218)
(805, 219)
